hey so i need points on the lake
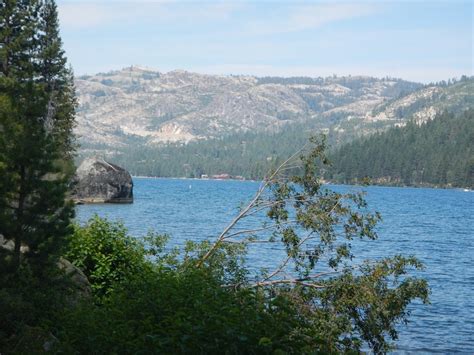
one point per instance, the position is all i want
(435, 225)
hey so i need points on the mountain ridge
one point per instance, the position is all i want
(180, 106)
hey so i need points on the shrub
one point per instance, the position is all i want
(106, 254)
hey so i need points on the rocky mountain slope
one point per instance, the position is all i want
(137, 104)
(420, 105)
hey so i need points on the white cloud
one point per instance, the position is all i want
(315, 16)
(85, 14)
(306, 17)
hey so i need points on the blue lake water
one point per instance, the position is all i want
(435, 225)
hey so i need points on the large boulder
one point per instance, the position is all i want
(8, 245)
(80, 284)
(98, 181)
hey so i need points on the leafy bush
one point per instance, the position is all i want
(184, 309)
(106, 254)
(29, 301)
(176, 307)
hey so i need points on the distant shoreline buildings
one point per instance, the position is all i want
(223, 176)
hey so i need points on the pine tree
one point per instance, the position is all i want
(37, 107)
(57, 80)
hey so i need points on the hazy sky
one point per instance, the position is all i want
(422, 41)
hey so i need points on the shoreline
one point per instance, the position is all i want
(187, 178)
(324, 182)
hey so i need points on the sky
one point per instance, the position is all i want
(424, 41)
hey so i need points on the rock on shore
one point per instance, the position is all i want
(98, 181)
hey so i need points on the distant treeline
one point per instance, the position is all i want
(250, 155)
(439, 152)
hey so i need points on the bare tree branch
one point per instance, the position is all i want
(252, 203)
(287, 282)
(251, 231)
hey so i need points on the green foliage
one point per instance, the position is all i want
(331, 219)
(37, 107)
(106, 255)
(367, 307)
(175, 307)
(30, 301)
(187, 312)
(438, 152)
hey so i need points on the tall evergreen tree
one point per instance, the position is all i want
(37, 107)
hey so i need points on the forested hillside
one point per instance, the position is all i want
(250, 155)
(438, 152)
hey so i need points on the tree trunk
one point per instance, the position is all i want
(19, 218)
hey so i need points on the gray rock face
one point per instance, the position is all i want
(82, 286)
(9, 245)
(98, 181)
(6, 244)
